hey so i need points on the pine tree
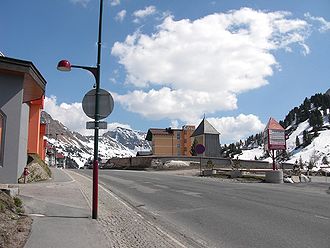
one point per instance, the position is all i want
(301, 163)
(297, 142)
(307, 139)
(316, 119)
(307, 103)
(192, 148)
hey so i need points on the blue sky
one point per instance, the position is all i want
(167, 63)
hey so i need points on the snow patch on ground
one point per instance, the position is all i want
(252, 154)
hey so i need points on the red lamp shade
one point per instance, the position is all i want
(64, 65)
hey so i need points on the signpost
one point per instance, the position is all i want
(97, 104)
(92, 125)
(105, 103)
(200, 149)
(274, 138)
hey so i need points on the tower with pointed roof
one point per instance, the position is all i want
(208, 136)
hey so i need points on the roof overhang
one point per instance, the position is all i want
(34, 84)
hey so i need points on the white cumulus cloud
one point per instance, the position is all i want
(323, 24)
(120, 16)
(142, 13)
(114, 2)
(200, 66)
(184, 105)
(81, 2)
(233, 129)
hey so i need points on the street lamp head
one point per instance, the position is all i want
(64, 65)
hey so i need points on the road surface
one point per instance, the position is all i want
(213, 213)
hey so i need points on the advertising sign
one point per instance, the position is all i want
(274, 136)
(276, 140)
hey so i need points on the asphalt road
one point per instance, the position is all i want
(212, 213)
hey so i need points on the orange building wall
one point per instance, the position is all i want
(186, 140)
(162, 144)
(169, 144)
(42, 151)
(35, 135)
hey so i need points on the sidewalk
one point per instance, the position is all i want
(61, 214)
(62, 217)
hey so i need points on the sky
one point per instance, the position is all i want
(170, 63)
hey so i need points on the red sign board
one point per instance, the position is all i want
(274, 136)
(199, 148)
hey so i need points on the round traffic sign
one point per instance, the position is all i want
(106, 103)
(199, 148)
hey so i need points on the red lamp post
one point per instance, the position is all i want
(65, 65)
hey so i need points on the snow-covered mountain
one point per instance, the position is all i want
(306, 143)
(319, 148)
(120, 142)
(318, 151)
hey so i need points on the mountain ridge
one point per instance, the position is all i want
(308, 135)
(120, 142)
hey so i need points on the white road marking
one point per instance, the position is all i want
(37, 215)
(190, 193)
(322, 217)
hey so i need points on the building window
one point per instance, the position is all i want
(178, 145)
(178, 136)
(2, 135)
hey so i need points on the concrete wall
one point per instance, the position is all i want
(23, 138)
(212, 145)
(129, 163)
(145, 162)
(11, 99)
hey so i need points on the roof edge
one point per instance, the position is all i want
(23, 66)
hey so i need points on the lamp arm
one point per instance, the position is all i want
(93, 70)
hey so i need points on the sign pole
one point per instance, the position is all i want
(200, 149)
(97, 118)
(274, 139)
(273, 157)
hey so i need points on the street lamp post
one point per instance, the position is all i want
(65, 65)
